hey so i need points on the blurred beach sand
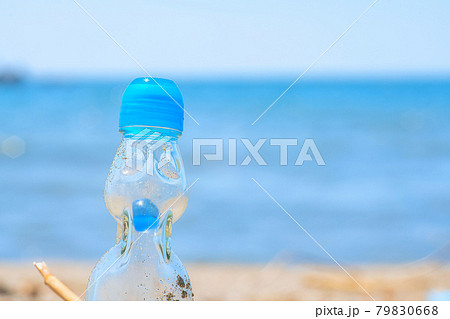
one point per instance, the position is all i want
(20, 281)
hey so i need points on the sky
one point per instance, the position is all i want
(209, 38)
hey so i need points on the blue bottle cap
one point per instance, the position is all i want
(152, 102)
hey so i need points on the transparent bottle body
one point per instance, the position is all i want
(146, 192)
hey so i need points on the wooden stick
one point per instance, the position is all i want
(55, 284)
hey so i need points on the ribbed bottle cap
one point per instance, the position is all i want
(152, 102)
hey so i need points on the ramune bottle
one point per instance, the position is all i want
(146, 191)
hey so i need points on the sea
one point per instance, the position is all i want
(383, 195)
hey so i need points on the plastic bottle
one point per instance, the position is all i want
(146, 191)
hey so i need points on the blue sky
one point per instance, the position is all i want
(225, 37)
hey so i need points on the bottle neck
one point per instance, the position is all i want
(142, 243)
(149, 132)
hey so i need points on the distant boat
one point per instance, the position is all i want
(10, 77)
